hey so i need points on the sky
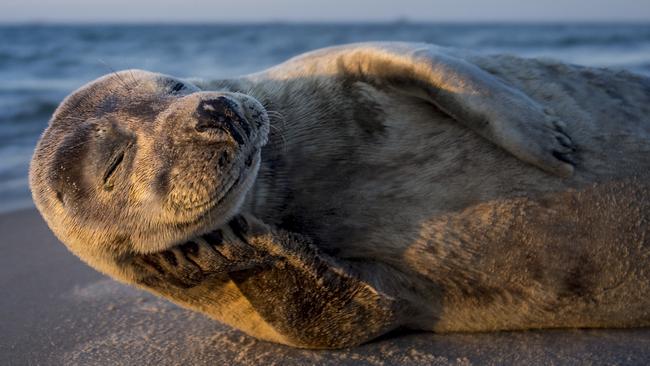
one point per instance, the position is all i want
(234, 11)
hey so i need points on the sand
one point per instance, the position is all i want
(56, 310)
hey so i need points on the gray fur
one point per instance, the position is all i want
(395, 190)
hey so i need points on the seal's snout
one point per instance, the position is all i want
(221, 114)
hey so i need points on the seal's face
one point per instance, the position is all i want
(143, 161)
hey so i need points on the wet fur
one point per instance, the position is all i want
(374, 209)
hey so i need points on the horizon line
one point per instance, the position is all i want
(321, 22)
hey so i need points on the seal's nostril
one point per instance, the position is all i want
(220, 114)
(213, 113)
(223, 159)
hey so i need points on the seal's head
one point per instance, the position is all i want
(137, 161)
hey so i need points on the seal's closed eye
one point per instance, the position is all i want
(178, 87)
(112, 167)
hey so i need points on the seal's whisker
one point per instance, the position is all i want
(248, 91)
(71, 147)
(276, 131)
(277, 117)
(135, 80)
(119, 77)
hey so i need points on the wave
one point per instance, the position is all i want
(27, 110)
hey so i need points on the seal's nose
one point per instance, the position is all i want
(219, 113)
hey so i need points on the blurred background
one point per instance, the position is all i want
(48, 50)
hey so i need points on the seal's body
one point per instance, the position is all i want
(400, 186)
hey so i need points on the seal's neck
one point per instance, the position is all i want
(270, 187)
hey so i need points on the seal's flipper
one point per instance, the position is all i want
(309, 297)
(298, 295)
(502, 114)
(470, 95)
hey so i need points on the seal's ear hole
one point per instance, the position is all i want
(112, 167)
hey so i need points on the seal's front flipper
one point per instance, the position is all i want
(203, 258)
(307, 296)
(273, 285)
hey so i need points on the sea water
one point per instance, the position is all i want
(41, 64)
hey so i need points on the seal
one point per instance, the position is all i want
(358, 189)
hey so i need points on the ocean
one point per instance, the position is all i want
(41, 64)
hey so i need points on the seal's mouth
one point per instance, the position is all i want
(228, 189)
(247, 170)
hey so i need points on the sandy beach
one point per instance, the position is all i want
(56, 310)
